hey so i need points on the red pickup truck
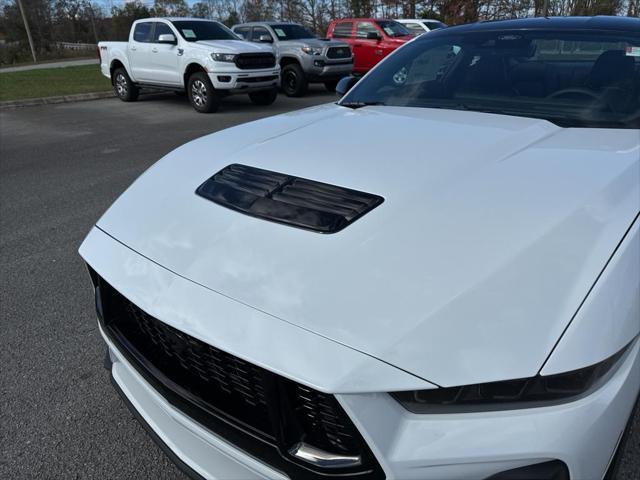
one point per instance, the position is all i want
(371, 39)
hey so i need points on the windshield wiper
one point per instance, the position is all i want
(355, 105)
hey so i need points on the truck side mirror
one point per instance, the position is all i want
(345, 84)
(265, 39)
(373, 36)
(167, 38)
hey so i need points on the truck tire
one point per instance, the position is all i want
(331, 85)
(294, 82)
(265, 97)
(203, 97)
(124, 88)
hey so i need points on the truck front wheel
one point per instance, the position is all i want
(201, 93)
(266, 97)
(124, 88)
(294, 82)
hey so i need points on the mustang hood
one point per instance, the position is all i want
(491, 233)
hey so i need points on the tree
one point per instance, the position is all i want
(170, 8)
(123, 17)
(202, 10)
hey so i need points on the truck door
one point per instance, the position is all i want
(367, 51)
(139, 52)
(164, 57)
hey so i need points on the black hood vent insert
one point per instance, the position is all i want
(286, 199)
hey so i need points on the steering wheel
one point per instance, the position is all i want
(580, 91)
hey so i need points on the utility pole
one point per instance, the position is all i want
(93, 21)
(26, 27)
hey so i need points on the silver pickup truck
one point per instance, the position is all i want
(302, 56)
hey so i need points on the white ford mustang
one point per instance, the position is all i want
(465, 310)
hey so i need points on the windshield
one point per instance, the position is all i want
(571, 79)
(434, 24)
(288, 31)
(393, 29)
(193, 31)
(414, 28)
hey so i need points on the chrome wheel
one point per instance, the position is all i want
(199, 93)
(121, 85)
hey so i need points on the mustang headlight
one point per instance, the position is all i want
(523, 392)
(224, 57)
(312, 50)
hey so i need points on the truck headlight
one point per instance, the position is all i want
(312, 50)
(509, 394)
(224, 57)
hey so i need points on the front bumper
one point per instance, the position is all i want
(245, 82)
(320, 69)
(197, 451)
(583, 433)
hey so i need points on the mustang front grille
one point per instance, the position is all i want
(265, 414)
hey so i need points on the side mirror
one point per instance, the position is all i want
(373, 36)
(265, 39)
(345, 84)
(167, 38)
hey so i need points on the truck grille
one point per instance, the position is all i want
(339, 52)
(250, 61)
(257, 410)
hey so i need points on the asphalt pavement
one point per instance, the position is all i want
(61, 166)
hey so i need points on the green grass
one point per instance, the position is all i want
(51, 82)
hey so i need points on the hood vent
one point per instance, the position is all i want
(281, 198)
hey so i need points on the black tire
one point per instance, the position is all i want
(331, 85)
(294, 82)
(124, 88)
(265, 97)
(202, 96)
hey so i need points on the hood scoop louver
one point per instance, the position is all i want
(286, 199)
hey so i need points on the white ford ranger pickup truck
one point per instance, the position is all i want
(203, 57)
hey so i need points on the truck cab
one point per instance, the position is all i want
(370, 39)
(303, 57)
(202, 57)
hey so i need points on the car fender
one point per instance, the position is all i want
(117, 54)
(609, 317)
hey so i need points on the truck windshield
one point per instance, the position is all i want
(433, 24)
(393, 29)
(193, 31)
(289, 31)
(573, 79)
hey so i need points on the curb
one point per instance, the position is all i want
(30, 102)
